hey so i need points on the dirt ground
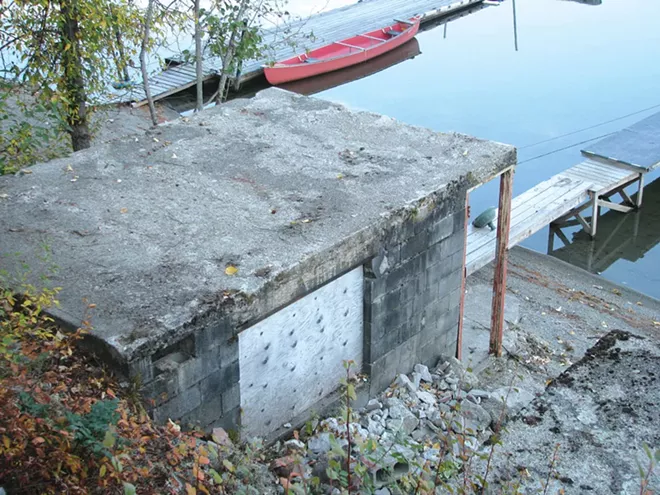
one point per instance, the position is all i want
(583, 356)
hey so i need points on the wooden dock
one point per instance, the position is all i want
(327, 27)
(610, 166)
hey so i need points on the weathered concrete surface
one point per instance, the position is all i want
(585, 355)
(291, 190)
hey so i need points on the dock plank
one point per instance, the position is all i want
(546, 202)
(327, 27)
(559, 199)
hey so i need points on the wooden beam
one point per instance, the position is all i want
(461, 306)
(499, 283)
(626, 198)
(563, 237)
(615, 206)
(583, 222)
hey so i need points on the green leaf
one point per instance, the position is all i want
(216, 476)
(129, 489)
(109, 440)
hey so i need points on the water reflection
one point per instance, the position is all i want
(323, 82)
(588, 2)
(621, 236)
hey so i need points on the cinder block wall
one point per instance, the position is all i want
(412, 296)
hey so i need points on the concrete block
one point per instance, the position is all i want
(160, 389)
(194, 370)
(385, 343)
(453, 244)
(383, 371)
(209, 411)
(459, 221)
(451, 321)
(230, 421)
(415, 245)
(451, 282)
(231, 398)
(408, 354)
(441, 230)
(212, 336)
(430, 350)
(141, 369)
(220, 381)
(178, 406)
(228, 351)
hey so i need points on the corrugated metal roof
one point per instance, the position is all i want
(310, 33)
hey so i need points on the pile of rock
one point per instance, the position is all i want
(419, 419)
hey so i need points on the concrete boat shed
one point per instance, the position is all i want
(237, 257)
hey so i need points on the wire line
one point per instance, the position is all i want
(565, 148)
(590, 127)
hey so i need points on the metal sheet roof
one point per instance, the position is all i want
(637, 145)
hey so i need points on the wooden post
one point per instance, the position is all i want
(499, 283)
(640, 191)
(461, 306)
(595, 212)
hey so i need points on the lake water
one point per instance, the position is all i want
(576, 66)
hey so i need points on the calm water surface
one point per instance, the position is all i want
(576, 66)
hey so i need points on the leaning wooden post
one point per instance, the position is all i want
(461, 307)
(499, 284)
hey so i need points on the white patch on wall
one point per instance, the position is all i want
(293, 358)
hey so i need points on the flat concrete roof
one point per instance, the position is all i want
(281, 186)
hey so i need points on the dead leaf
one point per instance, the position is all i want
(231, 270)
(123, 210)
(220, 436)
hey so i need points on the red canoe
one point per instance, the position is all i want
(341, 54)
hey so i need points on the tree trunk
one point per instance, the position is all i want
(199, 70)
(120, 55)
(73, 82)
(143, 61)
(229, 55)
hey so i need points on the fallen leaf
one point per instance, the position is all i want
(123, 210)
(203, 460)
(220, 436)
(231, 270)
(38, 440)
(190, 490)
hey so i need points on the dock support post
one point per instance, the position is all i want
(595, 206)
(461, 307)
(499, 283)
(640, 190)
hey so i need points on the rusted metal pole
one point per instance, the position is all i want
(499, 284)
(461, 306)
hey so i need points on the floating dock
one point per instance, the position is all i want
(610, 166)
(326, 27)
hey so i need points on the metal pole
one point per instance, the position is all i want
(515, 26)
